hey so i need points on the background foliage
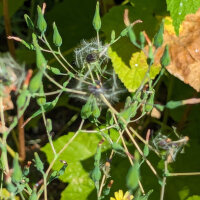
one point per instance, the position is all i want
(73, 19)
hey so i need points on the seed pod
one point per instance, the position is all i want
(33, 194)
(11, 188)
(17, 171)
(49, 125)
(133, 175)
(95, 109)
(158, 39)
(96, 174)
(38, 163)
(57, 40)
(36, 82)
(40, 60)
(86, 110)
(34, 38)
(55, 70)
(146, 150)
(165, 59)
(41, 22)
(127, 102)
(21, 99)
(97, 18)
(131, 35)
(29, 22)
(41, 100)
(97, 156)
(150, 102)
(142, 40)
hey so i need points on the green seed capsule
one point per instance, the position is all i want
(150, 102)
(127, 102)
(158, 39)
(97, 18)
(34, 38)
(97, 156)
(133, 175)
(38, 163)
(29, 22)
(96, 174)
(55, 70)
(17, 172)
(36, 82)
(40, 59)
(41, 100)
(11, 188)
(21, 99)
(95, 109)
(165, 60)
(33, 195)
(41, 22)
(57, 40)
(49, 125)
(86, 110)
(131, 35)
(146, 150)
(142, 40)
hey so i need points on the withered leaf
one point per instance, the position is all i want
(184, 51)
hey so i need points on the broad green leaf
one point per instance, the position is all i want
(179, 9)
(82, 148)
(195, 197)
(133, 76)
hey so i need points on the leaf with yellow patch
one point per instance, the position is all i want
(132, 76)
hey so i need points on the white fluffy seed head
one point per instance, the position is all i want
(11, 73)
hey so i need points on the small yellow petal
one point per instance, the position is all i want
(116, 195)
(111, 198)
(128, 196)
(121, 195)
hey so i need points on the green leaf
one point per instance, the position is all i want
(179, 9)
(132, 76)
(83, 147)
(195, 197)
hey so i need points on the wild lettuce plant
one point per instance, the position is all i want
(97, 84)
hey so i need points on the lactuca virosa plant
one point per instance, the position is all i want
(98, 85)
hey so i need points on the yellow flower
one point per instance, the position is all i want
(120, 196)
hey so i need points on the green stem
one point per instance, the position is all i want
(164, 182)
(61, 87)
(185, 174)
(48, 134)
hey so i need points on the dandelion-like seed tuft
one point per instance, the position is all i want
(96, 75)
